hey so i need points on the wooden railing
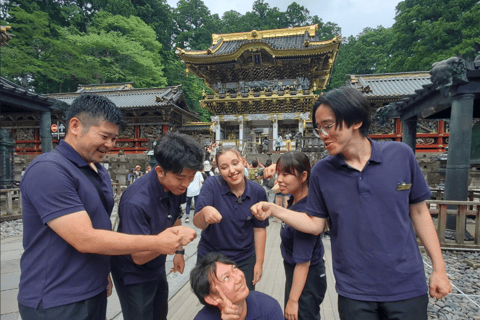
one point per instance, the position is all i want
(464, 209)
(9, 196)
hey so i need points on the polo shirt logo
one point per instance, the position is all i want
(403, 186)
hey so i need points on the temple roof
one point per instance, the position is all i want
(132, 98)
(296, 41)
(196, 126)
(389, 85)
(15, 98)
(104, 87)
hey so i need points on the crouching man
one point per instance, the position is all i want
(222, 288)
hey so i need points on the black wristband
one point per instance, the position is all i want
(180, 252)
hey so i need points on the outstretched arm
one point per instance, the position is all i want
(77, 230)
(297, 220)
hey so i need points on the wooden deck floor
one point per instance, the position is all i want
(184, 305)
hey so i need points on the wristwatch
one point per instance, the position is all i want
(180, 252)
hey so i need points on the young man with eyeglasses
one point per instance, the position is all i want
(373, 192)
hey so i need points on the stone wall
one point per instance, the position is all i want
(432, 165)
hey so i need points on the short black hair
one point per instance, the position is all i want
(90, 109)
(201, 274)
(175, 151)
(254, 163)
(294, 162)
(348, 105)
(268, 162)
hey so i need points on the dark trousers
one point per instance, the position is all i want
(313, 292)
(189, 203)
(91, 309)
(246, 266)
(411, 309)
(143, 301)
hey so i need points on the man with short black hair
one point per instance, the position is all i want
(67, 237)
(149, 206)
(222, 288)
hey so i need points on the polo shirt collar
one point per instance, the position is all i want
(291, 199)
(339, 161)
(157, 188)
(225, 189)
(71, 154)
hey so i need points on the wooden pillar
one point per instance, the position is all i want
(459, 148)
(410, 133)
(45, 134)
(137, 135)
(398, 129)
(441, 131)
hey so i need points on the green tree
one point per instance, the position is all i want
(297, 15)
(36, 54)
(425, 30)
(194, 25)
(119, 49)
(367, 53)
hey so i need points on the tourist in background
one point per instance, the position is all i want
(223, 213)
(278, 143)
(193, 191)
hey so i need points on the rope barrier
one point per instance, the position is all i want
(453, 285)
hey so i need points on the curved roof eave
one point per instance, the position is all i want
(276, 53)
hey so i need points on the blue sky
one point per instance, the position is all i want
(351, 15)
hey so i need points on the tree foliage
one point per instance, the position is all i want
(59, 44)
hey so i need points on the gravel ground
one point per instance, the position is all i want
(13, 228)
(462, 303)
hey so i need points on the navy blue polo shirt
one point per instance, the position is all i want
(259, 307)
(233, 236)
(374, 248)
(52, 270)
(299, 247)
(145, 208)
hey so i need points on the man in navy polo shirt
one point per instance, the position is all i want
(221, 286)
(373, 192)
(67, 237)
(149, 206)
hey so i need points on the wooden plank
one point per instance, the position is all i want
(9, 203)
(442, 223)
(477, 227)
(461, 220)
(329, 305)
(454, 202)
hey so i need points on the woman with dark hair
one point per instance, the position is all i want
(302, 253)
(223, 213)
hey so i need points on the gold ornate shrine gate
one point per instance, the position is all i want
(263, 82)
